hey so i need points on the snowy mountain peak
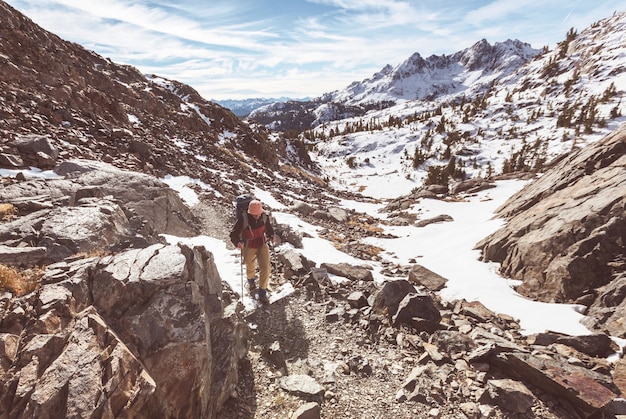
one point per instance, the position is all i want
(502, 56)
(417, 78)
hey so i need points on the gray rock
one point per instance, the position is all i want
(438, 219)
(309, 410)
(302, 208)
(564, 231)
(295, 264)
(36, 150)
(510, 395)
(303, 386)
(585, 390)
(287, 234)
(595, 345)
(452, 343)
(388, 298)
(354, 273)
(416, 305)
(357, 299)
(85, 369)
(173, 352)
(471, 186)
(97, 208)
(424, 277)
(23, 256)
(338, 214)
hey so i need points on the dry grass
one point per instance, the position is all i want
(371, 250)
(331, 236)
(19, 282)
(296, 172)
(365, 227)
(7, 212)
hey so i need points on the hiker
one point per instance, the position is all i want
(250, 234)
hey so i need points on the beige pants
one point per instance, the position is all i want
(262, 256)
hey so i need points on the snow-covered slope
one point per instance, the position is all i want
(560, 100)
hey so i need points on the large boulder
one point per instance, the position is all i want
(566, 231)
(159, 206)
(139, 334)
(95, 208)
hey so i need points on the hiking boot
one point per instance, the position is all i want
(252, 285)
(263, 297)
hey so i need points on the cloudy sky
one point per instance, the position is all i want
(235, 49)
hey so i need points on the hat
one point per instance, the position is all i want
(255, 207)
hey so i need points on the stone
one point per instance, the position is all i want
(564, 229)
(354, 273)
(295, 264)
(89, 370)
(452, 343)
(416, 305)
(595, 345)
(303, 386)
(510, 395)
(357, 299)
(22, 256)
(388, 298)
(36, 150)
(309, 410)
(433, 220)
(173, 352)
(287, 234)
(340, 215)
(302, 208)
(581, 388)
(424, 277)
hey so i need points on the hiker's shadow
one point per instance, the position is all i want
(280, 338)
(276, 328)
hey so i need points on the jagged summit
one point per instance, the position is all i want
(426, 79)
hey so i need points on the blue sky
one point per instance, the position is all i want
(270, 48)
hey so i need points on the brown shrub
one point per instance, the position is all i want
(7, 212)
(19, 282)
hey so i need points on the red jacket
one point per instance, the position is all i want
(253, 234)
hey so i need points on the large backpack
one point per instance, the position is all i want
(241, 205)
(241, 209)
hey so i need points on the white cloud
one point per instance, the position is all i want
(318, 45)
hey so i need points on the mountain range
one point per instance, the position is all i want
(496, 109)
(243, 107)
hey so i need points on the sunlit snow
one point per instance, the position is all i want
(445, 248)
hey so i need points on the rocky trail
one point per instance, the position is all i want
(335, 351)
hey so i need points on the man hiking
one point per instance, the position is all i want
(250, 234)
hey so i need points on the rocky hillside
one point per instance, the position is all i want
(75, 104)
(102, 318)
(565, 237)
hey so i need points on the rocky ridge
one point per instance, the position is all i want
(565, 236)
(61, 101)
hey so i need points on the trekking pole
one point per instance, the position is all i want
(241, 269)
(273, 257)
